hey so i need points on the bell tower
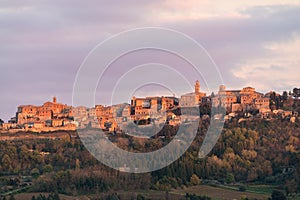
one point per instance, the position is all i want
(197, 87)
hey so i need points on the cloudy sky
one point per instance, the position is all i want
(43, 43)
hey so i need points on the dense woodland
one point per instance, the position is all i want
(252, 151)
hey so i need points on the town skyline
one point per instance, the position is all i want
(253, 44)
(7, 116)
(160, 99)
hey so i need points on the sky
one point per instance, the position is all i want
(43, 43)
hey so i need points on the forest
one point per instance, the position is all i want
(256, 151)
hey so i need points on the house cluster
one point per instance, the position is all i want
(248, 101)
(140, 110)
(242, 100)
(50, 116)
(53, 116)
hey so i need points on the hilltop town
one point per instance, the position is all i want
(259, 144)
(243, 104)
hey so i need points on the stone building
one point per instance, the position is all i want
(248, 95)
(40, 114)
(92, 113)
(44, 113)
(193, 98)
(262, 103)
(151, 107)
(67, 112)
(26, 114)
(106, 117)
(240, 100)
(57, 122)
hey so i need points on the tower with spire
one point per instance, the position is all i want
(193, 98)
(197, 87)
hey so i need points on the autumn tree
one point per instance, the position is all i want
(195, 180)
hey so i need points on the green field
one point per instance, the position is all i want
(221, 192)
(254, 192)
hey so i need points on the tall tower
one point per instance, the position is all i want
(54, 99)
(197, 87)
